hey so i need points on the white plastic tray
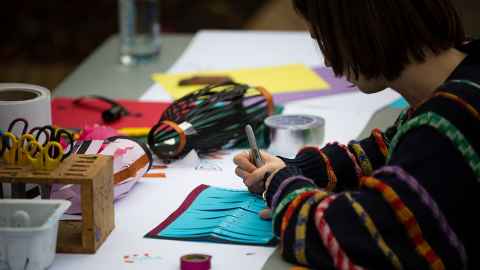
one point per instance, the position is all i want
(28, 232)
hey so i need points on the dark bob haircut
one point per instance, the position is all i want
(378, 38)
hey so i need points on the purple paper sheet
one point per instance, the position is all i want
(337, 86)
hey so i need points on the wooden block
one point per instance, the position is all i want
(94, 174)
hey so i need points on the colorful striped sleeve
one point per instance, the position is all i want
(414, 212)
(338, 167)
(391, 222)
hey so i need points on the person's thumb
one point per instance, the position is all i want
(266, 213)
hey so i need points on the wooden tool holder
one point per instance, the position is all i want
(94, 175)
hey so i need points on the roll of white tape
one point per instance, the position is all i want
(31, 102)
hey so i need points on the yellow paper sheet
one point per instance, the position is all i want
(278, 79)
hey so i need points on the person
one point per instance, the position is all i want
(400, 199)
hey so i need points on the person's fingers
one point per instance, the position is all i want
(253, 177)
(241, 173)
(242, 155)
(242, 160)
(256, 188)
(266, 214)
(239, 156)
(266, 156)
(256, 180)
(256, 176)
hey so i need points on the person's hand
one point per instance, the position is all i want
(266, 214)
(253, 177)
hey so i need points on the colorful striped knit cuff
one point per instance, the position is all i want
(362, 157)
(284, 202)
(277, 190)
(301, 225)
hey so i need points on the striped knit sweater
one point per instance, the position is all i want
(403, 199)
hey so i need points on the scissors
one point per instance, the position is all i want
(46, 156)
(53, 134)
(13, 149)
(13, 124)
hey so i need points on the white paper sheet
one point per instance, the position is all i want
(217, 50)
(191, 160)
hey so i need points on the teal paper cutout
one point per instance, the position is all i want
(222, 215)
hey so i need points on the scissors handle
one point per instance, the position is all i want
(14, 123)
(38, 131)
(41, 157)
(48, 131)
(22, 148)
(62, 133)
(51, 161)
(2, 147)
(53, 134)
(35, 154)
(9, 145)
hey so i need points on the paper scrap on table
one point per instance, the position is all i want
(277, 79)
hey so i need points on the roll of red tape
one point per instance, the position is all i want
(195, 262)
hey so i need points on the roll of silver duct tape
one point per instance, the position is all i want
(289, 133)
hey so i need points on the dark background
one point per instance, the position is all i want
(42, 41)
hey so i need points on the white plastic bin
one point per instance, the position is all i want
(28, 232)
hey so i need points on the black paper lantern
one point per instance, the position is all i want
(209, 119)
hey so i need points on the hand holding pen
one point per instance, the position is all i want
(254, 167)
